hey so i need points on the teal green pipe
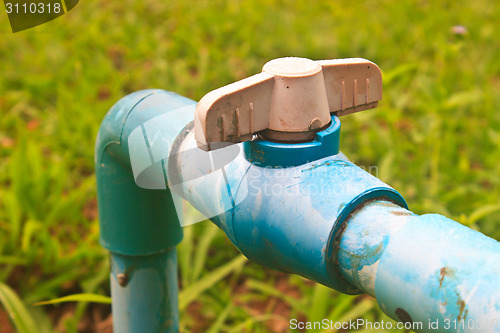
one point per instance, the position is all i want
(144, 290)
(132, 219)
(139, 226)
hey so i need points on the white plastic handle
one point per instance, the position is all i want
(289, 101)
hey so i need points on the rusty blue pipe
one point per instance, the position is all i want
(332, 222)
(427, 270)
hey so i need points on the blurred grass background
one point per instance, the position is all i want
(435, 138)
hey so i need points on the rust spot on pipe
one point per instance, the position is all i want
(443, 274)
(400, 213)
(462, 313)
(403, 316)
(445, 271)
(122, 279)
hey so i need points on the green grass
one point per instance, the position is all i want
(435, 137)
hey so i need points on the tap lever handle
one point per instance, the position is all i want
(352, 85)
(289, 101)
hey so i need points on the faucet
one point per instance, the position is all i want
(260, 158)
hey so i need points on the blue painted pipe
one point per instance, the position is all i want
(424, 269)
(330, 221)
(284, 218)
(315, 214)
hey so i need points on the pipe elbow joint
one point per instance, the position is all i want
(136, 220)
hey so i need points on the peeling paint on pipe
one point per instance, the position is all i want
(423, 268)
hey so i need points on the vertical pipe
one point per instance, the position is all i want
(139, 223)
(426, 270)
(144, 290)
